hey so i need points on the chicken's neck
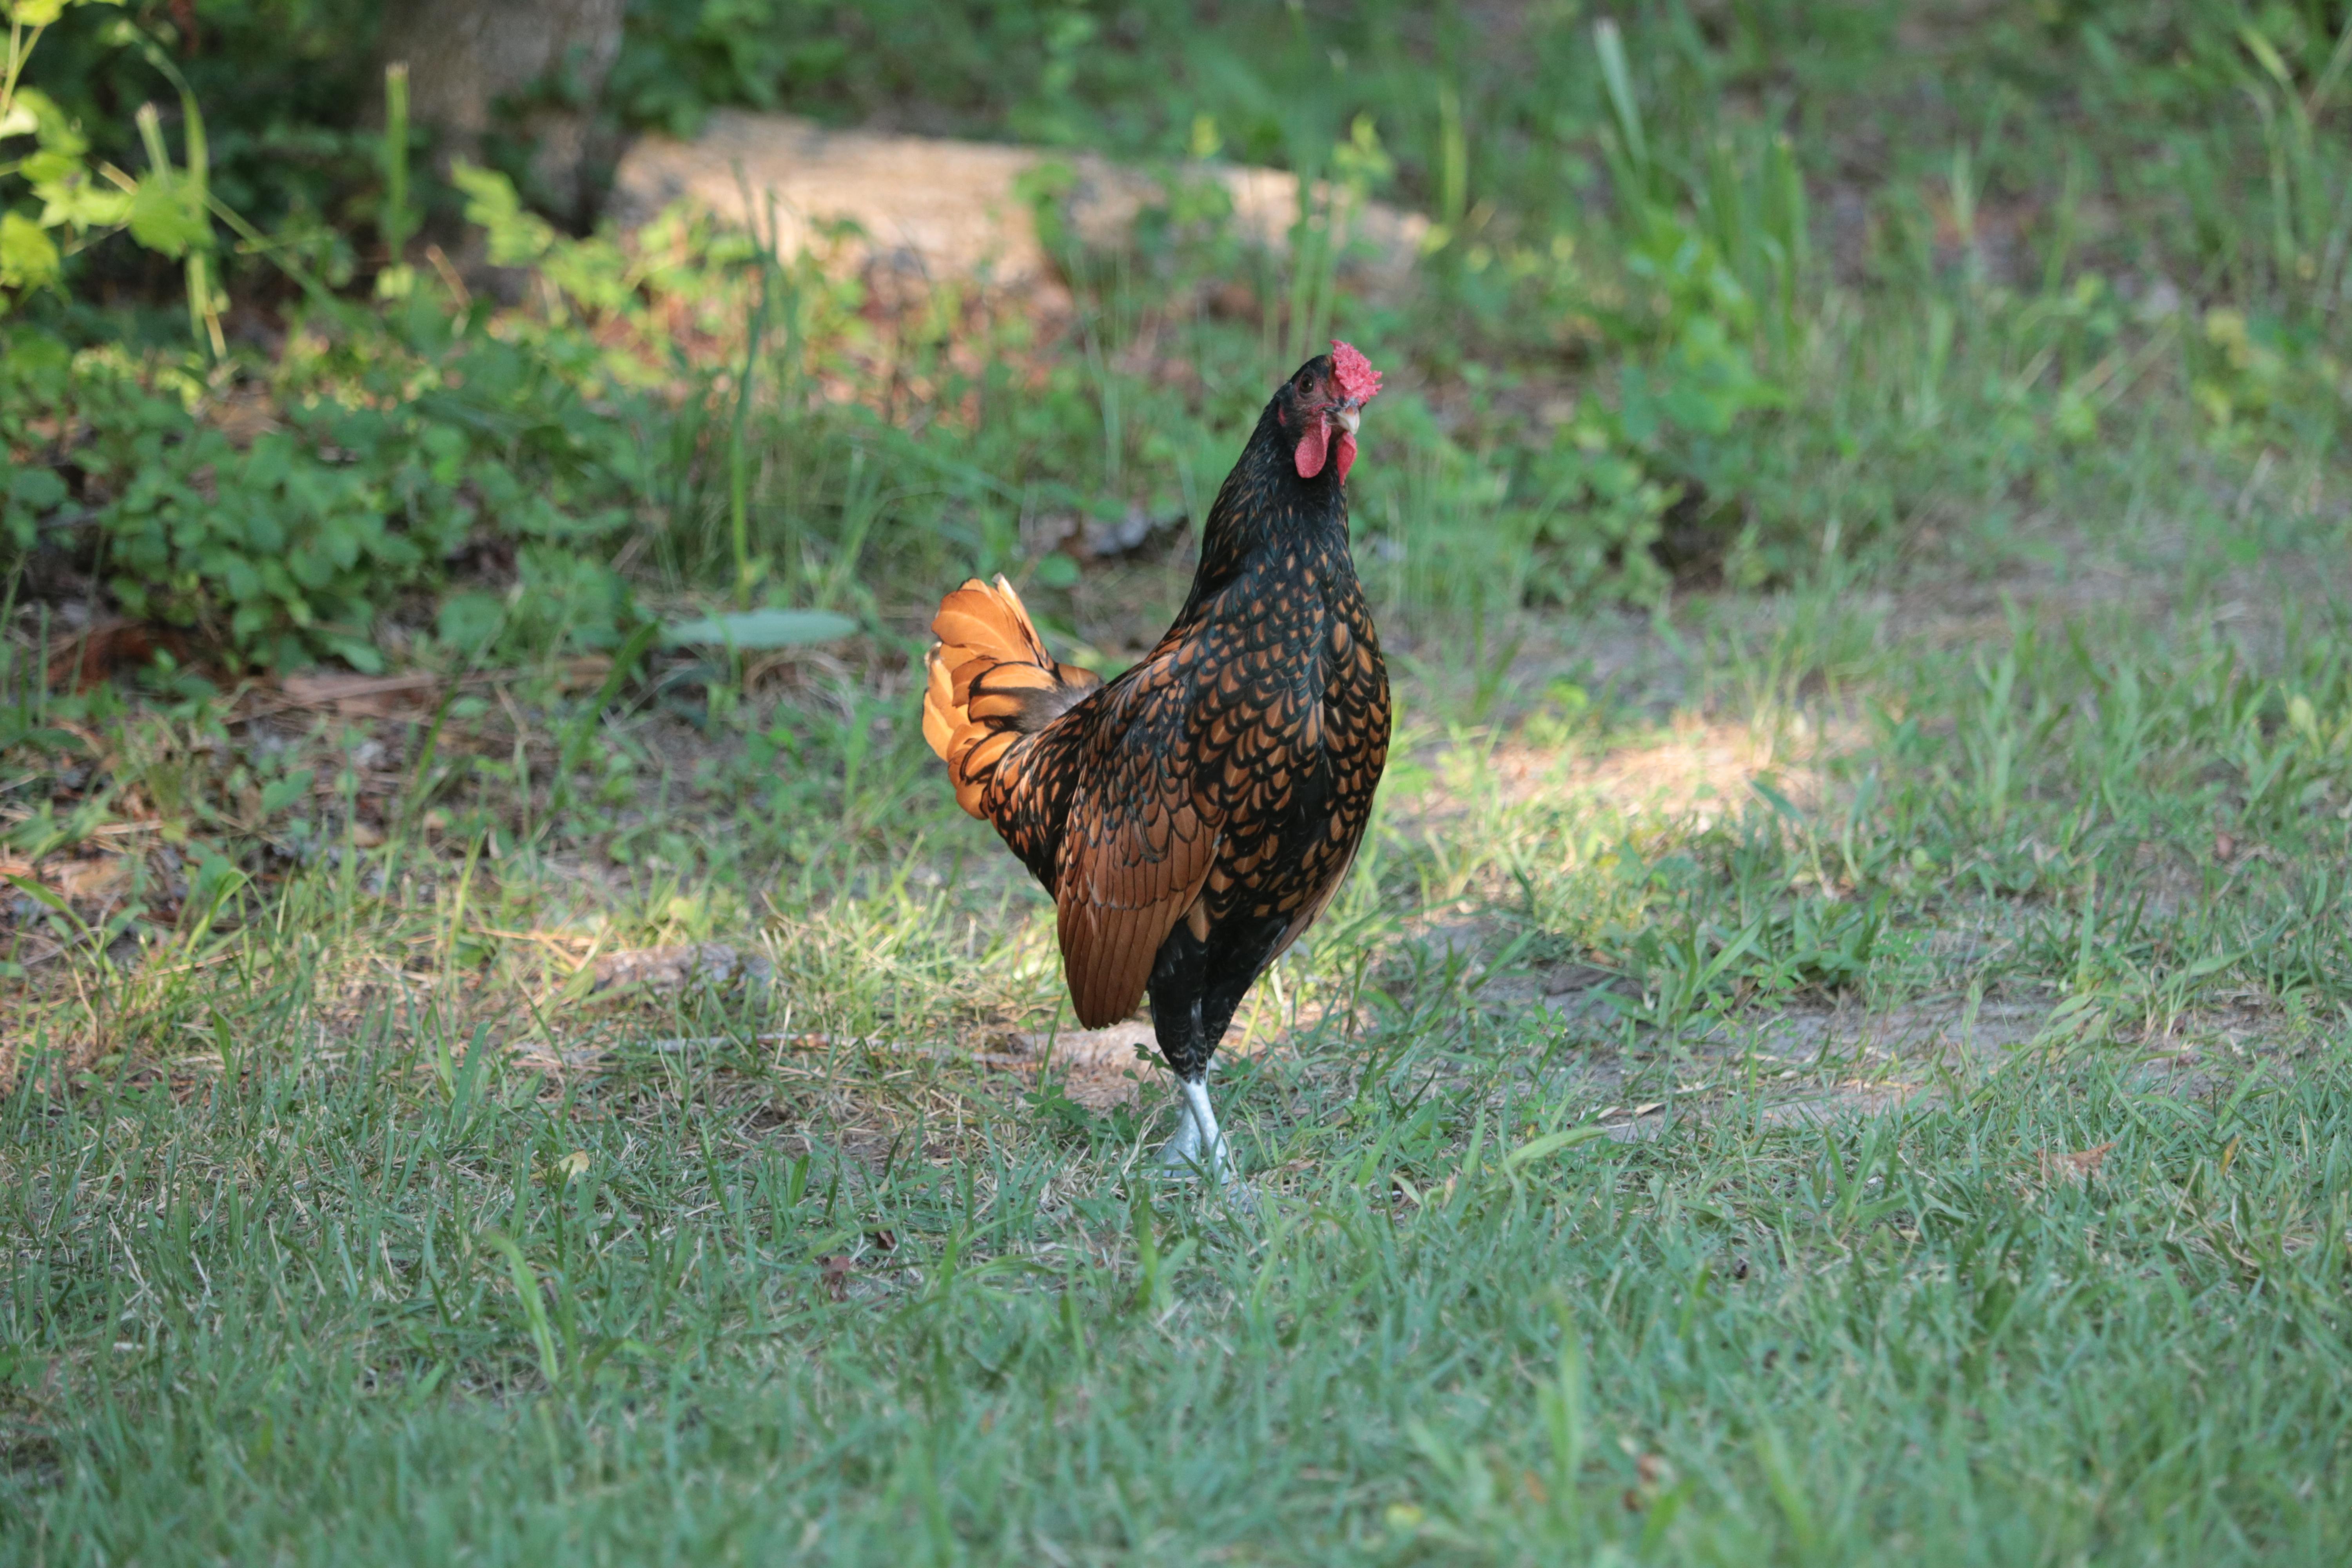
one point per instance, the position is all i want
(1268, 522)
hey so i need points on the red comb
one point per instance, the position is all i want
(1354, 372)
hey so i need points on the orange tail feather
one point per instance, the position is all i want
(990, 683)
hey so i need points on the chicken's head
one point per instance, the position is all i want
(1325, 399)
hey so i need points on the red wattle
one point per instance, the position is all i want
(1347, 457)
(1311, 446)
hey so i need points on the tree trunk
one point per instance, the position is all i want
(532, 69)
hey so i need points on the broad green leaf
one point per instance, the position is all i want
(44, 166)
(36, 13)
(70, 197)
(29, 257)
(468, 621)
(276, 795)
(39, 488)
(165, 218)
(760, 629)
(34, 111)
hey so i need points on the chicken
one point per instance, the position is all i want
(1194, 815)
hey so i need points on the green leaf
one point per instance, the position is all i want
(166, 217)
(1619, 80)
(277, 797)
(38, 488)
(30, 493)
(59, 131)
(640, 640)
(526, 1284)
(42, 168)
(468, 621)
(39, 891)
(214, 881)
(760, 629)
(516, 237)
(71, 197)
(1535, 1149)
(36, 13)
(29, 257)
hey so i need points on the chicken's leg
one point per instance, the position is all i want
(1200, 1142)
(1197, 981)
(1183, 1151)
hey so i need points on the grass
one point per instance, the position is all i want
(325, 1257)
(1837, 1049)
(424, 1332)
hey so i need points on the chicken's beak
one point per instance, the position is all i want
(1347, 415)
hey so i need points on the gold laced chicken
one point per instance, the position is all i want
(1193, 817)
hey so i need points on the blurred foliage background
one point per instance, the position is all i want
(1713, 289)
(1715, 296)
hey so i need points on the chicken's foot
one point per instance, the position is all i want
(1200, 1144)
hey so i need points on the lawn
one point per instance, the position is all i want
(1838, 1047)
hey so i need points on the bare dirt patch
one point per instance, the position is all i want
(931, 209)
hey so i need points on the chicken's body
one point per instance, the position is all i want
(1193, 817)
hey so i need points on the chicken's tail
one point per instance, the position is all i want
(991, 682)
